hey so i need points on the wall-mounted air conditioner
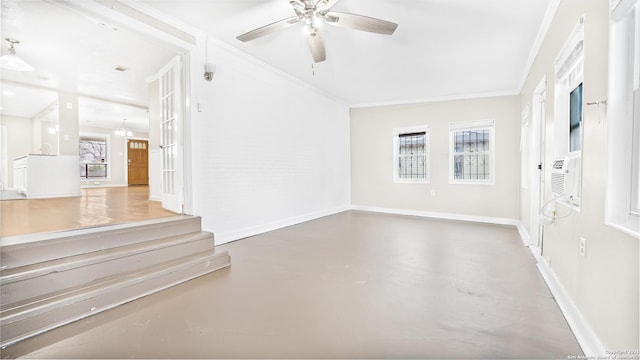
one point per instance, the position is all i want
(566, 180)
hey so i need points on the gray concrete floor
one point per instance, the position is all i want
(351, 285)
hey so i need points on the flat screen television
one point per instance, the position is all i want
(575, 119)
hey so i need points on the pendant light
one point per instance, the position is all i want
(123, 131)
(12, 61)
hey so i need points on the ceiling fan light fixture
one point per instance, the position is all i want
(12, 61)
(313, 14)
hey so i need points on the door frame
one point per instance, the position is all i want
(188, 42)
(4, 161)
(537, 163)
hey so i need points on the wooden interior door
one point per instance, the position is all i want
(138, 161)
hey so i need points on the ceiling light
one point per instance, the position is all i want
(123, 131)
(13, 62)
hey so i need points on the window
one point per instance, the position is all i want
(569, 75)
(471, 153)
(93, 157)
(411, 154)
(622, 205)
(575, 119)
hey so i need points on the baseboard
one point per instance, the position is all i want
(223, 238)
(53, 195)
(589, 342)
(439, 215)
(524, 235)
(101, 185)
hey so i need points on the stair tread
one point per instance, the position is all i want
(53, 279)
(89, 289)
(74, 261)
(103, 230)
(37, 248)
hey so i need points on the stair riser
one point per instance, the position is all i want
(60, 278)
(30, 323)
(13, 256)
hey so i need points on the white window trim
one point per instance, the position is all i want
(569, 73)
(635, 177)
(408, 130)
(107, 162)
(471, 125)
(624, 65)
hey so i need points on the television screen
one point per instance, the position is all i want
(575, 119)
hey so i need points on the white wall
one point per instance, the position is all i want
(267, 150)
(372, 182)
(19, 140)
(68, 123)
(604, 284)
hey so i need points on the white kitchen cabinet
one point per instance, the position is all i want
(47, 176)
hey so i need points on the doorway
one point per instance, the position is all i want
(4, 178)
(537, 155)
(138, 162)
(115, 22)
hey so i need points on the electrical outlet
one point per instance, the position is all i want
(433, 192)
(583, 247)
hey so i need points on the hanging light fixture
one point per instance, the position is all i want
(123, 131)
(12, 61)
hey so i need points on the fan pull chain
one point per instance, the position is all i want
(313, 69)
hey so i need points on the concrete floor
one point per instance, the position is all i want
(351, 285)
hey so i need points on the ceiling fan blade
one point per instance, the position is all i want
(268, 29)
(297, 5)
(316, 44)
(360, 22)
(325, 5)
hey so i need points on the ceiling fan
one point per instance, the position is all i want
(312, 13)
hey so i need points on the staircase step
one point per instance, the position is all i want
(33, 280)
(24, 250)
(37, 315)
(51, 279)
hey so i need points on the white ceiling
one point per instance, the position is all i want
(77, 53)
(441, 49)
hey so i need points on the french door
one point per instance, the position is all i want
(171, 134)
